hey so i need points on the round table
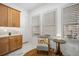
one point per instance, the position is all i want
(58, 42)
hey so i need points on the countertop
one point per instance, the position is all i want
(9, 35)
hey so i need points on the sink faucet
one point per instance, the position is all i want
(9, 33)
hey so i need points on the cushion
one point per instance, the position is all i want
(42, 48)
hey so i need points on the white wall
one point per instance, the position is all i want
(24, 25)
(24, 28)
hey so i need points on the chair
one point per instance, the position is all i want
(43, 44)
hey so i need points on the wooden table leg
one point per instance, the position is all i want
(58, 51)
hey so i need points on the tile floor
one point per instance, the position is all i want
(20, 52)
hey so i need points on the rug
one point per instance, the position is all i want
(34, 52)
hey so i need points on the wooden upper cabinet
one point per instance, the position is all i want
(15, 18)
(9, 17)
(3, 15)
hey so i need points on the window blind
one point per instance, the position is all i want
(49, 24)
(36, 24)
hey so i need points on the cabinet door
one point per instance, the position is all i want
(10, 17)
(15, 18)
(3, 15)
(19, 41)
(4, 45)
(12, 43)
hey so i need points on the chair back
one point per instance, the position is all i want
(43, 41)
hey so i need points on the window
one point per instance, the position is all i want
(49, 23)
(36, 25)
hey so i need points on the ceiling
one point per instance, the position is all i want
(27, 6)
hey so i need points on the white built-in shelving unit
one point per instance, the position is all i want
(71, 20)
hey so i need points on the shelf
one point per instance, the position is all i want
(36, 34)
(49, 25)
(72, 24)
(35, 26)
